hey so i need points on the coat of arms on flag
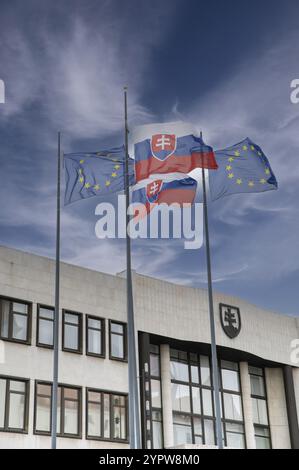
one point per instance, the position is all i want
(163, 145)
(152, 191)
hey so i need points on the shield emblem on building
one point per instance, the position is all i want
(152, 191)
(163, 145)
(230, 320)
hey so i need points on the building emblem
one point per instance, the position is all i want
(230, 320)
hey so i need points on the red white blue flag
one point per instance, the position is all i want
(169, 148)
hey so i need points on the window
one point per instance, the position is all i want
(259, 405)
(15, 321)
(95, 336)
(72, 332)
(14, 395)
(182, 429)
(106, 415)
(118, 340)
(156, 400)
(68, 410)
(232, 411)
(45, 326)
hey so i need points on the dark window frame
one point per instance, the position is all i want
(38, 343)
(80, 331)
(103, 335)
(62, 386)
(111, 393)
(125, 341)
(261, 397)
(154, 409)
(6, 427)
(10, 339)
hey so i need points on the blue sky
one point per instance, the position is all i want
(225, 66)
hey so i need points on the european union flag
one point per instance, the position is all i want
(242, 168)
(95, 174)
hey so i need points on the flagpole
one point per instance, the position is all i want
(215, 368)
(134, 417)
(56, 311)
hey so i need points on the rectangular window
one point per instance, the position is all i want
(72, 331)
(95, 336)
(14, 395)
(68, 410)
(15, 321)
(182, 429)
(45, 326)
(259, 405)
(118, 340)
(106, 415)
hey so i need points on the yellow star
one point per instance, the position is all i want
(96, 187)
(81, 179)
(252, 147)
(231, 159)
(81, 161)
(263, 181)
(237, 153)
(87, 185)
(228, 167)
(114, 175)
(230, 175)
(267, 171)
(108, 183)
(245, 147)
(116, 167)
(239, 181)
(251, 184)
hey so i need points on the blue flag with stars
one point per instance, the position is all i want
(95, 174)
(242, 168)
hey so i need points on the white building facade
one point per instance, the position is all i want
(259, 378)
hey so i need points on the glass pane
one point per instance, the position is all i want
(45, 332)
(257, 385)
(94, 419)
(197, 426)
(93, 323)
(20, 308)
(71, 393)
(180, 397)
(194, 374)
(46, 313)
(179, 371)
(157, 435)
(156, 393)
(118, 400)
(44, 390)
(255, 370)
(119, 423)
(19, 327)
(230, 365)
(2, 401)
(16, 411)
(155, 365)
(117, 328)
(43, 414)
(207, 402)
(236, 441)
(209, 432)
(94, 396)
(5, 304)
(95, 341)
(232, 407)
(260, 431)
(259, 411)
(71, 318)
(262, 442)
(230, 380)
(182, 432)
(205, 370)
(106, 416)
(71, 340)
(117, 346)
(58, 409)
(71, 417)
(196, 400)
(17, 386)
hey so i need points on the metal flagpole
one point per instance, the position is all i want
(134, 416)
(56, 312)
(215, 369)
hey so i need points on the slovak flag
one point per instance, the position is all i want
(181, 191)
(169, 148)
